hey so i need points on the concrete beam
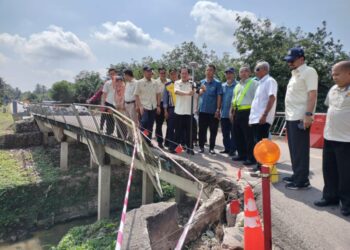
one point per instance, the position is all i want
(104, 188)
(45, 138)
(59, 134)
(64, 156)
(147, 189)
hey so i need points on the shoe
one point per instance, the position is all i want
(294, 186)
(238, 158)
(256, 168)
(224, 152)
(232, 153)
(190, 152)
(201, 150)
(212, 152)
(172, 151)
(324, 203)
(288, 179)
(345, 211)
(249, 163)
(161, 146)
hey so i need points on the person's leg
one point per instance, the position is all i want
(291, 126)
(152, 117)
(187, 129)
(226, 130)
(144, 123)
(233, 147)
(213, 127)
(110, 120)
(248, 135)
(170, 137)
(203, 126)
(159, 124)
(239, 136)
(342, 152)
(330, 172)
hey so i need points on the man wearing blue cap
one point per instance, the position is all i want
(226, 125)
(300, 104)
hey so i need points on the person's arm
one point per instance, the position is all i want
(218, 105)
(158, 103)
(311, 103)
(268, 107)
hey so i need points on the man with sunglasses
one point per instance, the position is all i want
(262, 112)
(300, 104)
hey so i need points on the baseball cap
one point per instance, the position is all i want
(147, 68)
(230, 70)
(293, 54)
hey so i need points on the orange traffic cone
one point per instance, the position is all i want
(179, 149)
(253, 234)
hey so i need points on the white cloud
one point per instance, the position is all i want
(53, 43)
(3, 58)
(169, 31)
(216, 24)
(128, 35)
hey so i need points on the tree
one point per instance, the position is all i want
(86, 83)
(263, 41)
(62, 91)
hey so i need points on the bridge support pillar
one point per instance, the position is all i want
(179, 195)
(45, 138)
(64, 156)
(93, 164)
(147, 189)
(104, 186)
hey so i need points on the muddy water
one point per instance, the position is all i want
(45, 239)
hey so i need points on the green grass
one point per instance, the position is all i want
(6, 122)
(12, 171)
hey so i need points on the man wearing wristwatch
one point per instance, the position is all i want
(300, 103)
(210, 94)
(262, 112)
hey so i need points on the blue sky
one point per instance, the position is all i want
(47, 41)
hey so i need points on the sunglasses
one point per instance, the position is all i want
(257, 69)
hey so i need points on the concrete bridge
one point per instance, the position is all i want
(76, 122)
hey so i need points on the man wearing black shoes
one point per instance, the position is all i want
(336, 150)
(300, 103)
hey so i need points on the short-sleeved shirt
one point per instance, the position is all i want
(110, 91)
(183, 102)
(249, 96)
(147, 91)
(304, 79)
(267, 87)
(129, 91)
(337, 126)
(161, 86)
(227, 95)
(208, 100)
(119, 95)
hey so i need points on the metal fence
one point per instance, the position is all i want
(278, 126)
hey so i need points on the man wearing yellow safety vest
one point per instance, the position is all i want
(243, 95)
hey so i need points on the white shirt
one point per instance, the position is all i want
(303, 80)
(267, 86)
(337, 126)
(147, 92)
(129, 91)
(183, 102)
(110, 91)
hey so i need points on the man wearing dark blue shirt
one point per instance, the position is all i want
(209, 108)
(226, 125)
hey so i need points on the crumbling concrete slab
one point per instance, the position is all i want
(233, 238)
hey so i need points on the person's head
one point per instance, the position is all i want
(262, 68)
(341, 73)
(295, 57)
(173, 74)
(185, 74)
(162, 73)
(244, 72)
(112, 72)
(147, 72)
(210, 71)
(128, 74)
(230, 74)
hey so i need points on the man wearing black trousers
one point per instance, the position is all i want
(300, 103)
(210, 94)
(336, 150)
(243, 95)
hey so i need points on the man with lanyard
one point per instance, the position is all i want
(226, 125)
(147, 97)
(262, 112)
(300, 103)
(243, 96)
(169, 100)
(209, 108)
(160, 117)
